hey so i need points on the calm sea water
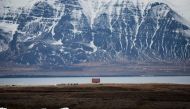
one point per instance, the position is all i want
(84, 80)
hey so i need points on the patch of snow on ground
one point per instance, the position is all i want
(64, 108)
(2, 108)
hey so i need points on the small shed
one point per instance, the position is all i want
(96, 80)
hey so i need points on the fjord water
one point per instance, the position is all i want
(86, 80)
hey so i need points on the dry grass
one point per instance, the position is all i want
(88, 96)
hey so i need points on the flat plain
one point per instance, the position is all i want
(96, 96)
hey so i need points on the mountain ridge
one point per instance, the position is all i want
(62, 32)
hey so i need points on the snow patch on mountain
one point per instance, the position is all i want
(8, 27)
(59, 42)
(92, 8)
(15, 4)
(181, 19)
(3, 46)
(187, 33)
(31, 46)
(93, 46)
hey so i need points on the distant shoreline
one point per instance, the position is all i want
(103, 80)
(46, 76)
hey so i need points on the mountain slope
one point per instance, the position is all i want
(56, 32)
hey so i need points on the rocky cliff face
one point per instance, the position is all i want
(56, 32)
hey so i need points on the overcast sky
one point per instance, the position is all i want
(183, 6)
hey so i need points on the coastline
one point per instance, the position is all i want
(38, 81)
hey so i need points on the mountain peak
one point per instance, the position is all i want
(57, 32)
(157, 10)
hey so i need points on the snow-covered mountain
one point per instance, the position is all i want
(74, 31)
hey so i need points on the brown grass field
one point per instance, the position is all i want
(100, 96)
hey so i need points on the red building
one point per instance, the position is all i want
(96, 80)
